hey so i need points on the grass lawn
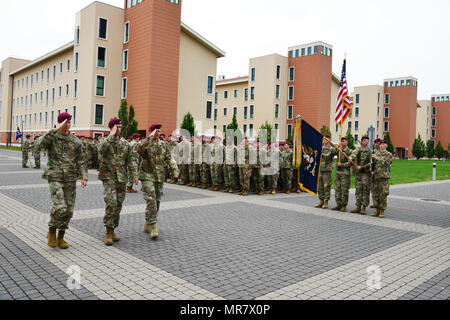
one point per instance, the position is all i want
(10, 148)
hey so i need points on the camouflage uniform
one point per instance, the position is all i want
(216, 164)
(363, 178)
(257, 175)
(135, 159)
(26, 146)
(205, 164)
(245, 169)
(272, 173)
(286, 169)
(116, 155)
(229, 168)
(37, 152)
(342, 180)
(194, 168)
(151, 173)
(170, 146)
(382, 176)
(326, 172)
(183, 164)
(65, 161)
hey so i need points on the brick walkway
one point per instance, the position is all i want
(219, 246)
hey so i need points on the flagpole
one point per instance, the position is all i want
(340, 139)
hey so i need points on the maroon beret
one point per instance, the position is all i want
(28, 136)
(384, 141)
(365, 138)
(378, 140)
(63, 116)
(344, 139)
(113, 122)
(154, 126)
(136, 135)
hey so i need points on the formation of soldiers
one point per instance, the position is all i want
(372, 173)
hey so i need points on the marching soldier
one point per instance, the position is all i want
(65, 160)
(382, 175)
(326, 173)
(135, 156)
(377, 143)
(115, 155)
(362, 157)
(152, 175)
(36, 153)
(26, 146)
(343, 177)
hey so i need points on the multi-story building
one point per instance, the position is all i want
(142, 53)
(440, 115)
(423, 119)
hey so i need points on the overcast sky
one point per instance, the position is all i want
(382, 38)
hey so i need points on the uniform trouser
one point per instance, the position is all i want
(229, 175)
(153, 191)
(184, 172)
(295, 179)
(24, 158)
(114, 195)
(37, 158)
(286, 175)
(258, 179)
(204, 173)
(215, 174)
(194, 173)
(273, 181)
(245, 174)
(380, 193)
(341, 186)
(363, 183)
(325, 180)
(63, 196)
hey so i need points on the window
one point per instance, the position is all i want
(357, 98)
(357, 112)
(291, 93)
(42, 94)
(224, 128)
(37, 77)
(379, 97)
(277, 91)
(387, 98)
(217, 98)
(101, 57)
(125, 60)
(356, 138)
(356, 127)
(99, 114)
(402, 83)
(396, 83)
(67, 90)
(102, 28)
(100, 86)
(76, 62)
(309, 51)
(251, 130)
(54, 73)
(349, 125)
(209, 110)
(59, 92)
(433, 133)
(316, 49)
(252, 112)
(291, 73)
(245, 112)
(277, 111)
(126, 33)
(378, 125)
(35, 98)
(48, 75)
(252, 93)
(434, 111)
(42, 75)
(68, 65)
(297, 53)
(386, 84)
(210, 85)
(253, 74)
(386, 126)
(378, 112)
(290, 114)
(225, 94)
(236, 93)
(433, 122)
(35, 118)
(215, 114)
(235, 110)
(291, 54)
(60, 67)
(46, 97)
(26, 101)
(303, 52)
(124, 88)
(276, 130)
(246, 94)
(386, 112)
(245, 129)
(53, 96)
(408, 82)
(391, 84)
(31, 83)
(225, 112)
(289, 130)
(75, 88)
(278, 72)
(52, 119)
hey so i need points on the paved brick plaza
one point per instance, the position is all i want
(219, 246)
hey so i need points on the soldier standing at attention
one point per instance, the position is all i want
(377, 143)
(286, 168)
(343, 177)
(65, 160)
(216, 163)
(382, 175)
(273, 170)
(115, 155)
(36, 153)
(183, 163)
(152, 175)
(229, 169)
(171, 145)
(326, 173)
(363, 158)
(245, 169)
(26, 146)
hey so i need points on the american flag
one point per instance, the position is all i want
(343, 108)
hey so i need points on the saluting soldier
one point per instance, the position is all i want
(382, 175)
(152, 175)
(115, 155)
(26, 146)
(65, 161)
(363, 158)
(342, 177)
(326, 172)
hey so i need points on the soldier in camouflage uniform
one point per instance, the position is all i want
(115, 155)
(216, 163)
(170, 147)
(245, 169)
(152, 175)
(206, 158)
(382, 175)
(229, 168)
(183, 163)
(272, 170)
(257, 174)
(26, 146)
(362, 157)
(342, 177)
(194, 166)
(65, 161)
(134, 154)
(377, 143)
(36, 153)
(326, 172)
(286, 168)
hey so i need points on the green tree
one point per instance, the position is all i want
(188, 123)
(448, 151)
(419, 148)
(235, 127)
(266, 126)
(129, 125)
(440, 152)
(430, 149)
(123, 115)
(132, 124)
(290, 138)
(390, 147)
(351, 139)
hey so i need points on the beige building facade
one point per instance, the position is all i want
(423, 120)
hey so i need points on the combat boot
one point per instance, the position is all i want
(204, 186)
(269, 191)
(325, 205)
(194, 185)
(288, 191)
(182, 183)
(115, 237)
(274, 192)
(357, 210)
(299, 191)
(216, 188)
(261, 193)
(37, 167)
(376, 213)
(373, 206)
(61, 243)
(337, 208)
(153, 231)
(320, 204)
(344, 209)
(363, 210)
(381, 214)
(146, 228)
(108, 237)
(51, 237)
(226, 189)
(231, 190)
(172, 181)
(245, 192)
(190, 184)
